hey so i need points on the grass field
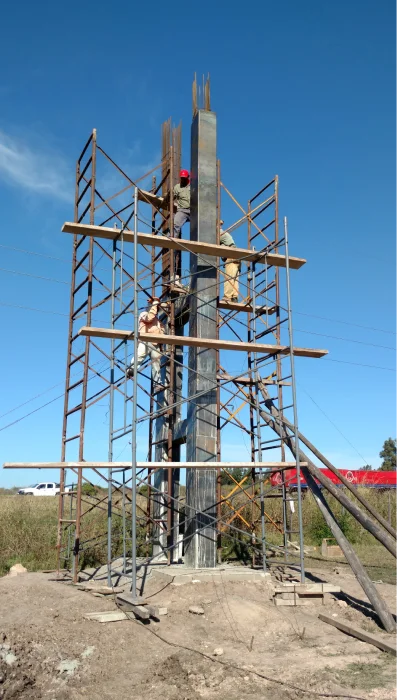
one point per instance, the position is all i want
(28, 531)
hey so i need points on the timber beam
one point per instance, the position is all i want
(191, 246)
(274, 466)
(210, 343)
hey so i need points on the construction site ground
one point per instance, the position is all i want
(48, 649)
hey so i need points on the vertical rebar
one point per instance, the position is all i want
(134, 401)
(295, 410)
(250, 388)
(170, 380)
(218, 390)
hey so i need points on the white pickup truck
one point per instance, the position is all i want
(44, 488)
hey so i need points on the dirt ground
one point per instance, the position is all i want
(48, 650)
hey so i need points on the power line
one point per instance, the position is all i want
(346, 323)
(31, 399)
(18, 420)
(300, 313)
(32, 252)
(359, 364)
(40, 255)
(347, 340)
(44, 311)
(30, 308)
(28, 274)
(335, 426)
(300, 330)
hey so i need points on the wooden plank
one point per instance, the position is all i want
(244, 306)
(153, 611)
(291, 603)
(139, 611)
(351, 487)
(128, 598)
(120, 334)
(307, 588)
(139, 606)
(108, 616)
(353, 631)
(152, 199)
(274, 466)
(247, 381)
(102, 590)
(310, 474)
(196, 247)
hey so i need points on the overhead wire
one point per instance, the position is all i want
(359, 364)
(349, 340)
(300, 313)
(334, 424)
(29, 274)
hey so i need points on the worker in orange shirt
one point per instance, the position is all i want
(150, 323)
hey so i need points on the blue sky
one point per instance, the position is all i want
(305, 90)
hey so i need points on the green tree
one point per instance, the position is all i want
(88, 489)
(388, 455)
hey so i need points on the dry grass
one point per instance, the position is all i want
(28, 529)
(28, 532)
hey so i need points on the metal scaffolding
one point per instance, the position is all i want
(133, 273)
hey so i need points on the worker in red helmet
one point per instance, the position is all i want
(182, 202)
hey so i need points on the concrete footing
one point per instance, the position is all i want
(180, 575)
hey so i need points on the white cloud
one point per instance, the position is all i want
(39, 170)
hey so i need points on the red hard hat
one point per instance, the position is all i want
(184, 173)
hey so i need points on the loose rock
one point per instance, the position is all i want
(17, 569)
(196, 610)
(218, 651)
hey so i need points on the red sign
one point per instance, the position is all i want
(357, 477)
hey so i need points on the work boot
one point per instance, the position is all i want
(130, 373)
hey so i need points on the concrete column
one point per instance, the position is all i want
(200, 533)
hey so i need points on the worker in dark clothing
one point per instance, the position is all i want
(181, 202)
(181, 193)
